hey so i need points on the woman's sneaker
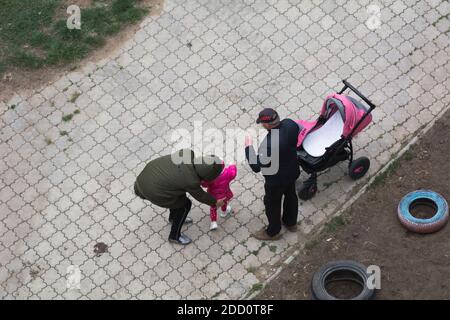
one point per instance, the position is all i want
(214, 225)
(183, 240)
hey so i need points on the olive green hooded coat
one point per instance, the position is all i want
(165, 183)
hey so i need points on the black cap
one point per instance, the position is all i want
(267, 115)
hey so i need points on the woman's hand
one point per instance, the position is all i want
(220, 202)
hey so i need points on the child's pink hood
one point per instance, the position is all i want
(221, 185)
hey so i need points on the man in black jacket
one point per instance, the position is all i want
(277, 161)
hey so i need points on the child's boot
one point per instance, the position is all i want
(214, 225)
(227, 212)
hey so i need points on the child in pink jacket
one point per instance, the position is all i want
(219, 188)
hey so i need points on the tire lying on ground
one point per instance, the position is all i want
(425, 198)
(344, 270)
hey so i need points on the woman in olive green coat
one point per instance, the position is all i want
(166, 180)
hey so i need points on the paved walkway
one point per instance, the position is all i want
(67, 185)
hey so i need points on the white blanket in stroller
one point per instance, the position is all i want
(317, 141)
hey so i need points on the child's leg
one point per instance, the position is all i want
(224, 207)
(213, 214)
(227, 200)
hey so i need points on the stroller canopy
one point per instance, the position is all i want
(341, 114)
(350, 109)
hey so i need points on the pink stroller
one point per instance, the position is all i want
(328, 140)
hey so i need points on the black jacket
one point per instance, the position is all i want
(288, 170)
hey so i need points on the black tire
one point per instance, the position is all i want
(358, 168)
(354, 272)
(307, 191)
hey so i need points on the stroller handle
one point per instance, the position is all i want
(372, 106)
(348, 85)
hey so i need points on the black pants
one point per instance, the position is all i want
(272, 202)
(177, 215)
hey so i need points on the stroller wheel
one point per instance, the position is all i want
(307, 191)
(358, 168)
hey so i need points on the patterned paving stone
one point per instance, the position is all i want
(213, 61)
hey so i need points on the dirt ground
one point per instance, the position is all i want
(412, 266)
(17, 79)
